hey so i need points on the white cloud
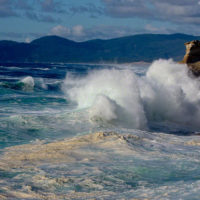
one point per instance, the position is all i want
(51, 6)
(35, 10)
(27, 40)
(60, 31)
(179, 11)
(151, 28)
(78, 31)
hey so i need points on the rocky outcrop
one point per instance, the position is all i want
(192, 56)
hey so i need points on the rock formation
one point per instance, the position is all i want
(192, 56)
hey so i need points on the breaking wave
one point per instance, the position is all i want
(166, 93)
(25, 84)
(29, 84)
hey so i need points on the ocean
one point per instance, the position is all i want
(99, 131)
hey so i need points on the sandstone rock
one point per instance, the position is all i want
(192, 56)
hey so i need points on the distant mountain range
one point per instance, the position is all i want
(144, 47)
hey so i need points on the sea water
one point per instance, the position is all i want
(85, 131)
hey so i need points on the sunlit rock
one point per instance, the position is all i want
(192, 56)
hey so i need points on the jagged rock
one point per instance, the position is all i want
(192, 56)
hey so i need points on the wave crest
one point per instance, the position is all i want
(166, 93)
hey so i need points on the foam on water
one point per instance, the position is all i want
(28, 83)
(167, 93)
(120, 166)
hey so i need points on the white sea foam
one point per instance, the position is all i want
(28, 83)
(165, 93)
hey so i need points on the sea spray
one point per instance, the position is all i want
(166, 93)
(169, 93)
(112, 95)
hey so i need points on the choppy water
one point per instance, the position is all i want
(77, 131)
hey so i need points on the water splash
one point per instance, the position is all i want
(166, 93)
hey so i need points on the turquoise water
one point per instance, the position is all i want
(50, 115)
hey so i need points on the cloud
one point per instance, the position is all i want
(76, 32)
(187, 12)
(27, 40)
(176, 12)
(151, 28)
(90, 8)
(6, 9)
(10, 8)
(107, 32)
(41, 17)
(80, 33)
(61, 31)
(126, 8)
(179, 11)
(36, 10)
(23, 4)
(51, 6)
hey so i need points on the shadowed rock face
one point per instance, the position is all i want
(192, 56)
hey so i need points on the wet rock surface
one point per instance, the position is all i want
(192, 56)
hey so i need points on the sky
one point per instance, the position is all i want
(81, 20)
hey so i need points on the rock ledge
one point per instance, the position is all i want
(192, 56)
